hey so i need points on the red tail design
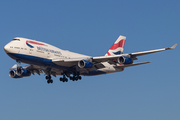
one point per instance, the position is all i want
(119, 44)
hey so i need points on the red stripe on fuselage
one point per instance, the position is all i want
(33, 42)
(119, 44)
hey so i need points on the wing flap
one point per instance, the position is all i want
(33, 69)
(99, 66)
(129, 65)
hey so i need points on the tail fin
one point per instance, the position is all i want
(118, 47)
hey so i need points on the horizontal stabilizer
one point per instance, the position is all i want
(129, 65)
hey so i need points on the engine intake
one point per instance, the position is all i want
(125, 60)
(13, 74)
(85, 64)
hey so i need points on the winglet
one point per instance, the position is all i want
(174, 46)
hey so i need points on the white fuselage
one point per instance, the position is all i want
(41, 54)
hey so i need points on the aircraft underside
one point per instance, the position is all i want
(48, 67)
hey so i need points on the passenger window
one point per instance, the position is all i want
(17, 47)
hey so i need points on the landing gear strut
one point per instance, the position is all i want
(49, 80)
(19, 65)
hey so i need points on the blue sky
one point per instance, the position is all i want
(148, 92)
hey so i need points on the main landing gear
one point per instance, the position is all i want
(63, 79)
(75, 77)
(49, 80)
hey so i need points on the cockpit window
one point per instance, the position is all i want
(16, 39)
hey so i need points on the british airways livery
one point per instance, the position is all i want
(43, 57)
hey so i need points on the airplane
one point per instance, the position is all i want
(43, 57)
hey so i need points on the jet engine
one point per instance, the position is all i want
(85, 64)
(19, 73)
(13, 74)
(125, 60)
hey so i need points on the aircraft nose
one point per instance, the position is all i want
(6, 48)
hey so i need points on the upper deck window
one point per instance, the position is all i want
(16, 39)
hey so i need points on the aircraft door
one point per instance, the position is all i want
(48, 54)
(31, 51)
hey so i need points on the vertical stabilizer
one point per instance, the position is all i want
(118, 47)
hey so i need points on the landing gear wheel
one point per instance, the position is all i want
(79, 77)
(48, 77)
(75, 77)
(49, 80)
(63, 79)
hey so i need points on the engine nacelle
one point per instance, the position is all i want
(85, 64)
(19, 73)
(23, 72)
(13, 74)
(125, 60)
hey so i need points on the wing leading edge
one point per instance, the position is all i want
(153, 51)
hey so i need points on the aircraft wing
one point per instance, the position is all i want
(152, 51)
(131, 55)
(73, 62)
(110, 59)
